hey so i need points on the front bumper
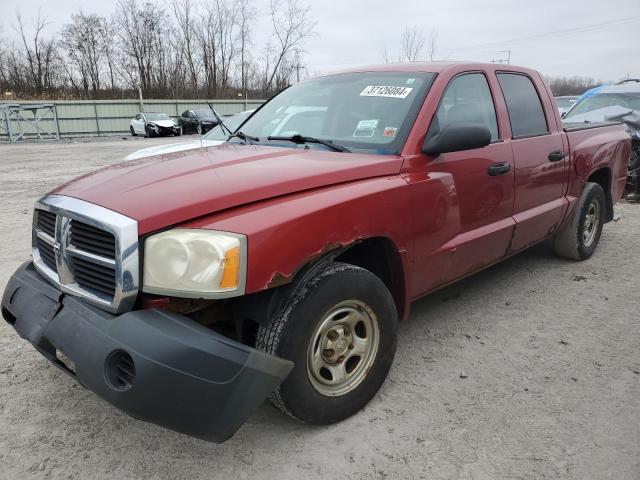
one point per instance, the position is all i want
(184, 377)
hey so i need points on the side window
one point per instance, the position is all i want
(523, 103)
(467, 99)
(185, 114)
(138, 117)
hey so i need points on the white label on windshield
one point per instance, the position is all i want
(386, 91)
(366, 128)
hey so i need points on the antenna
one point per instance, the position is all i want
(503, 60)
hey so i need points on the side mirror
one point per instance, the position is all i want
(456, 137)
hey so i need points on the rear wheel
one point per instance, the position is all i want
(199, 129)
(340, 330)
(579, 238)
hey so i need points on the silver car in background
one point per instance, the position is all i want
(615, 103)
(565, 102)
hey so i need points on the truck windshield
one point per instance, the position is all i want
(367, 112)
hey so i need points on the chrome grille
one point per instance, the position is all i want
(87, 251)
(93, 240)
(46, 221)
(94, 277)
(47, 254)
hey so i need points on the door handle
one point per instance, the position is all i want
(556, 156)
(496, 169)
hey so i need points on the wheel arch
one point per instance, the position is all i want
(602, 176)
(378, 254)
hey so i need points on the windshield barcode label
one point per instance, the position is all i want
(385, 91)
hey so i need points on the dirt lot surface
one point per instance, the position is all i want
(528, 370)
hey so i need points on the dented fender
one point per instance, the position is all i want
(287, 233)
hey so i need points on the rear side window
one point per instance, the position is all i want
(523, 103)
(467, 99)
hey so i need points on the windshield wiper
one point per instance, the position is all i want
(243, 136)
(301, 139)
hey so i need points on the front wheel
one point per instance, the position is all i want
(199, 129)
(579, 238)
(340, 331)
(133, 132)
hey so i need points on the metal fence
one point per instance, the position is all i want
(106, 117)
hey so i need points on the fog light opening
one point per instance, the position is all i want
(120, 371)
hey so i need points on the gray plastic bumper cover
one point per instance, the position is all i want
(156, 366)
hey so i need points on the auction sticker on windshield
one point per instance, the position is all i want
(386, 91)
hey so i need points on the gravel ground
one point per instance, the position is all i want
(528, 370)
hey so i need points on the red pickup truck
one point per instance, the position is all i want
(186, 288)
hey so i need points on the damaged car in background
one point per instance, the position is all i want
(615, 103)
(151, 124)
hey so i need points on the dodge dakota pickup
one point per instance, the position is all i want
(186, 288)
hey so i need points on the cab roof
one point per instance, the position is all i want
(429, 67)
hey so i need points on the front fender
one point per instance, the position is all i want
(286, 233)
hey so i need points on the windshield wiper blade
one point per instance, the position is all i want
(243, 136)
(301, 139)
(220, 122)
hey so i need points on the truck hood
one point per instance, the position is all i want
(165, 190)
(170, 148)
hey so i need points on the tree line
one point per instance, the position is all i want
(571, 85)
(184, 49)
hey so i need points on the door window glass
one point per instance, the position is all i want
(523, 104)
(468, 100)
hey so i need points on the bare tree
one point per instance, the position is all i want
(245, 20)
(208, 34)
(83, 41)
(571, 85)
(183, 12)
(384, 55)
(39, 53)
(143, 32)
(292, 24)
(433, 43)
(411, 44)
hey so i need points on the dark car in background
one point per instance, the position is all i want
(199, 120)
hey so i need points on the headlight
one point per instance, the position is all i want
(195, 263)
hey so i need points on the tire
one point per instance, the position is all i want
(133, 132)
(179, 132)
(295, 334)
(147, 132)
(199, 129)
(579, 238)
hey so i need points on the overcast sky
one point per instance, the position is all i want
(593, 38)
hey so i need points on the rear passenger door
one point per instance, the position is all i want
(539, 160)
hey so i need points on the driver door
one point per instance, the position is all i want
(478, 191)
